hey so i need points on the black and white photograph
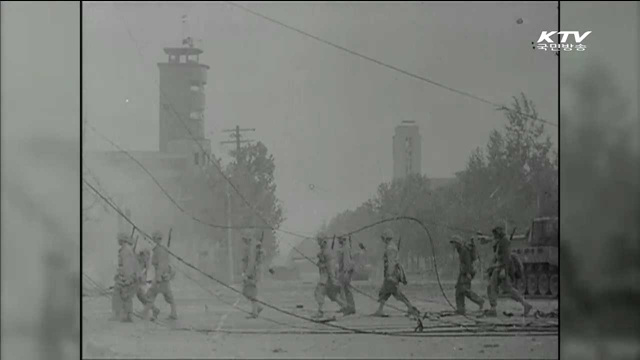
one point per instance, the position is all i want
(303, 180)
(306, 179)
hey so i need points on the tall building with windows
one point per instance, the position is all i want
(407, 150)
(182, 103)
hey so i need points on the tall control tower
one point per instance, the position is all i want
(407, 150)
(182, 102)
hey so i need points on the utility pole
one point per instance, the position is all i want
(235, 134)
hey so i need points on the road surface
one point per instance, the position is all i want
(208, 328)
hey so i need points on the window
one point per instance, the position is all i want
(196, 115)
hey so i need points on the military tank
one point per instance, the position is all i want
(538, 252)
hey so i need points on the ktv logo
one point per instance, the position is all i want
(545, 42)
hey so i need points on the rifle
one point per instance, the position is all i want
(135, 244)
(333, 241)
(169, 241)
(403, 277)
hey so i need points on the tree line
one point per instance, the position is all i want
(513, 179)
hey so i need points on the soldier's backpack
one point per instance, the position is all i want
(402, 277)
(516, 269)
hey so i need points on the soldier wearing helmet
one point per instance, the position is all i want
(498, 273)
(252, 263)
(467, 255)
(161, 282)
(327, 286)
(345, 273)
(144, 256)
(392, 277)
(126, 278)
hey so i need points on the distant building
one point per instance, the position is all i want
(407, 150)
(182, 102)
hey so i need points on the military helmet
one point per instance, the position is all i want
(498, 231)
(247, 234)
(144, 252)
(156, 236)
(387, 234)
(123, 237)
(321, 239)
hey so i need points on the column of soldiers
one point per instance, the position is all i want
(335, 275)
(337, 287)
(500, 274)
(131, 277)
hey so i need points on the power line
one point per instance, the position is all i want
(184, 211)
(164, 191)
(233, 186)
(388, 66)
(148, 238)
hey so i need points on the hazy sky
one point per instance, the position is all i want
(327, 116)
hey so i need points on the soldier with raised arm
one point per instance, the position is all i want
(392, 277)
(467, 254)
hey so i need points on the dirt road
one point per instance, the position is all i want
(208, 328)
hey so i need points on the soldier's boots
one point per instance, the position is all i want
(527, 308)
(379, 312)
(174, 313)
(461, 312)
(347, 311)
(491, 312)
(413, 311)
(155, 314)
(481, 305)
(127, 318)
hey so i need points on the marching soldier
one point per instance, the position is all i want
(467, 254)
(252, 262)
(126, 279)
(116, 302)
(345, 273)
(143, 262)
(392, 277)
(161, 282)
(499, 273)
(326, 284)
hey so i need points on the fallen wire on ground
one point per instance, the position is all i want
(328, 324)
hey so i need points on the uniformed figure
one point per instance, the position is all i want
(499, 273)
(161, 282)
(116, 301)
(392, 277)
(127, 278)
(467, 255)
(327, 283)
(345, 273)
(143, 263)
(252, 262)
